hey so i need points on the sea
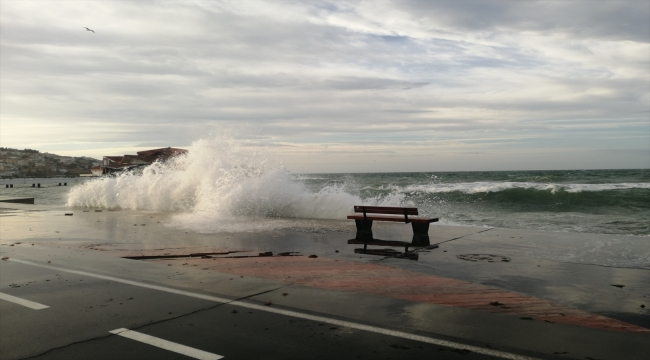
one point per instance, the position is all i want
(588, 201)
(211, 184)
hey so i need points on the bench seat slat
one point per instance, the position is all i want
(392, 218)
(385, 210)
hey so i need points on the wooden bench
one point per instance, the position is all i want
(365, 215)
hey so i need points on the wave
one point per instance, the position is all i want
(220, 179)
(487, 187)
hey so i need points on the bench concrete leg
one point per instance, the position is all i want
(364, 231)
(420, 234)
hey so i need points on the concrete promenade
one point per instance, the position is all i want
(113, 280)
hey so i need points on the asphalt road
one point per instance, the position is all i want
(91, 294)
(83, 310)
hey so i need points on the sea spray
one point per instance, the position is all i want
(220, 179)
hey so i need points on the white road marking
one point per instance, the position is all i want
(23, 302)
(165, 344)
(295, 314)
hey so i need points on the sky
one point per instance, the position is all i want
(334, 86)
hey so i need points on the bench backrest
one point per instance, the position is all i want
(385, 210)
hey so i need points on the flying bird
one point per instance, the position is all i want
(87, 29)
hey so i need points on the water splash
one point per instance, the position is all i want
(220, 179)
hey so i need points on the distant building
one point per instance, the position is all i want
(113, 164)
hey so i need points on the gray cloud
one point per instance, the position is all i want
(357, 83)
(615, 20)
(323, 72)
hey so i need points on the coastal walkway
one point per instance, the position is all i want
(228, 301)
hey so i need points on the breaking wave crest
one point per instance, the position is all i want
(219, 179)
(487, 187)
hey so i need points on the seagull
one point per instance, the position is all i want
(87, 29)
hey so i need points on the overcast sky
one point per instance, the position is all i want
(335, 86)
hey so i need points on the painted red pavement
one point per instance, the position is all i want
(396, 283)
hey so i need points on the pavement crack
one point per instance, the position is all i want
(67, 345)
(460, 237)
(259, 293)
(131, 328)
(207, 308)
(157, 322)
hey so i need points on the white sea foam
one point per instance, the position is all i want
(485, 187)
(219, 179)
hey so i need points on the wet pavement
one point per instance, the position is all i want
(530, 305)
(82, 312)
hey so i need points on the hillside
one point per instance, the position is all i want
(33, 163)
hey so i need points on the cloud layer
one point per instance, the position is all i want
(335, 85)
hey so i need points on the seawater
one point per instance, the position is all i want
(592, 201)
(221, 184)
(50, 193)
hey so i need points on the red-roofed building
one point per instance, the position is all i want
(113, 164)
